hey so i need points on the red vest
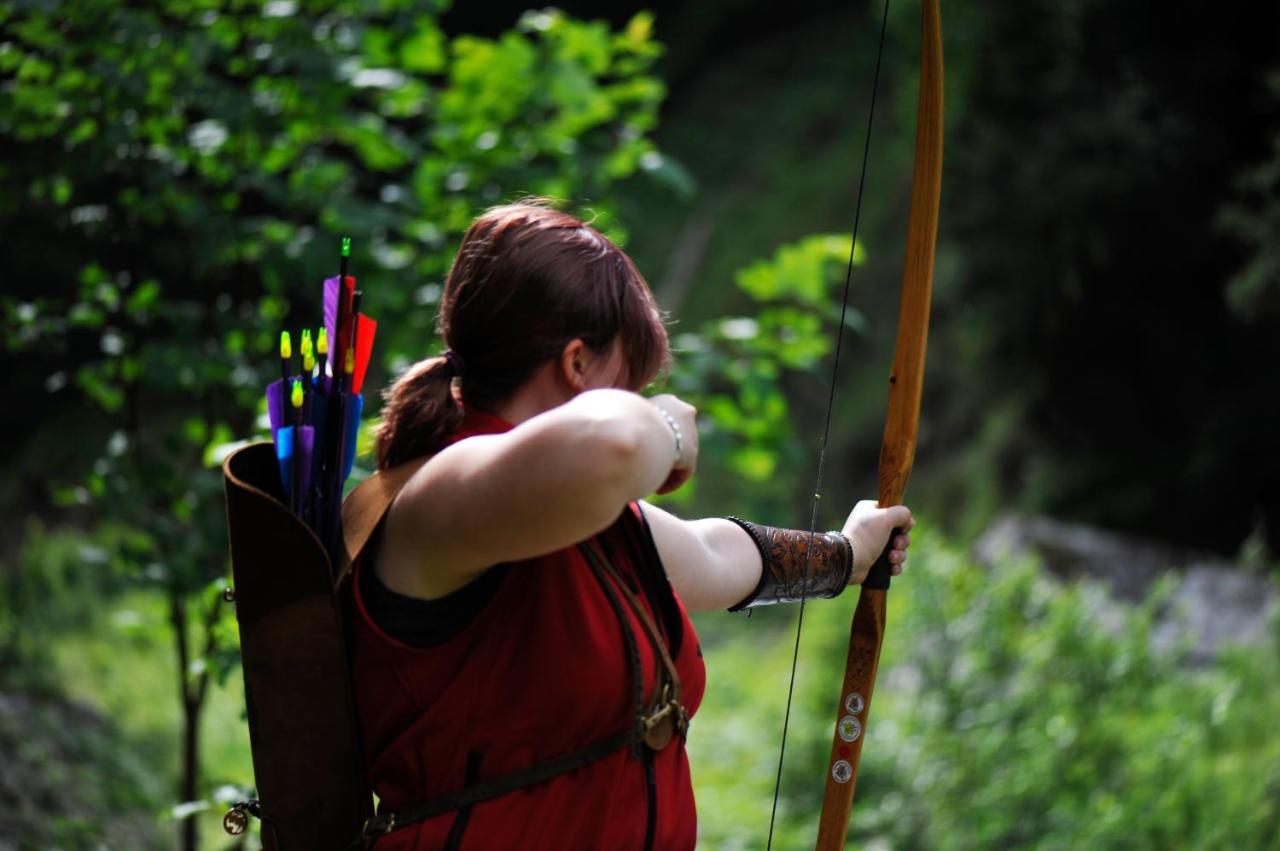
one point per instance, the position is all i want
(541, 672)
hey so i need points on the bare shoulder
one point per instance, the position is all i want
(419, 555)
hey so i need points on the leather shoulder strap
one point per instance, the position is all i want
(365, 507)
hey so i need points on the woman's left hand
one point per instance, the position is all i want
(868, 529)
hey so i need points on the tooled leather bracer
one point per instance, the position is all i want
(796, 564)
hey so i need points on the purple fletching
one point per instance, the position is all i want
(331, 317)
(275, 405)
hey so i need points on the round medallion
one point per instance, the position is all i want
(854, 703)
(842, 771)
(659, 735)
(849, 728)
(235, 822)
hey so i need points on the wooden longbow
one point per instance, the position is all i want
(897, 451)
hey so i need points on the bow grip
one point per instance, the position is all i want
(882, 570)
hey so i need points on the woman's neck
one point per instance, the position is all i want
(542, 392)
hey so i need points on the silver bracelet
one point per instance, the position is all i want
(675, 430)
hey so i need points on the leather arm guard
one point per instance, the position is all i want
(783, 559)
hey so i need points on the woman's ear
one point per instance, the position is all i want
(575, 360)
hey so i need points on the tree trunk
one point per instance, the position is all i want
(190, 769)
(190, 700)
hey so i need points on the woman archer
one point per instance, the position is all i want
(523, 659)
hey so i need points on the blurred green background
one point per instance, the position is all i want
(174, 180)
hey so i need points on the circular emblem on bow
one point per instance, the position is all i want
(850, 728)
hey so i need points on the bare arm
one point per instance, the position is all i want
(553, 480)
(713, 563)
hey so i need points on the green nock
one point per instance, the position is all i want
(306, 345)
(286, 345)
(346, 246)
(295, 397)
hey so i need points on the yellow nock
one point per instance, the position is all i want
(286, 345)
(295, 398)
(322, 342)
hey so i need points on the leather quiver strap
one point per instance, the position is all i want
(303, 730)
(364, 508)
(663, 716)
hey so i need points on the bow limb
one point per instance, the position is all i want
(897, 451)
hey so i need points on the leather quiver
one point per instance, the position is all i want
(303, 729)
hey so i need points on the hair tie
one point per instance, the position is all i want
(453, 361)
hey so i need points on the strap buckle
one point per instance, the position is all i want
(667, 719)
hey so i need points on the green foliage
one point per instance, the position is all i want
(801, 271)
(193, 186)
(58, 579)
(71, 781)
(122, 665)
(1010, 712)
(1253, 218)
(741, 370)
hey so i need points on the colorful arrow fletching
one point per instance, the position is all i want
(364, 349)
(332, 293)
(276, 405)
(284, 457)
(316, 432)
(286, 445)
(351, 424)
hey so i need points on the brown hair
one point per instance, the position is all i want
(527, 280)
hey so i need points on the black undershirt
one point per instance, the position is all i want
(418, 622)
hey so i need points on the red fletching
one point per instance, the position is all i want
(364, 348)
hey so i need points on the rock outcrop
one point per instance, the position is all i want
(1214, 603)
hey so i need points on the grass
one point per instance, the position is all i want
(124, 666)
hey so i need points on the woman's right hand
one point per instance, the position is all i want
(685, 417)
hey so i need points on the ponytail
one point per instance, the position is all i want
(419, 413)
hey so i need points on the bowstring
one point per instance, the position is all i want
(826, 428)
